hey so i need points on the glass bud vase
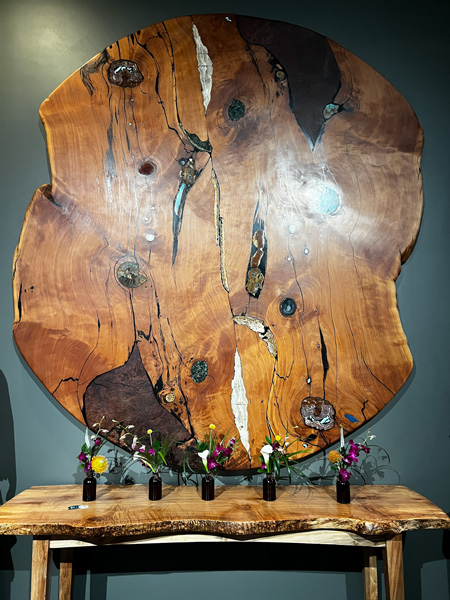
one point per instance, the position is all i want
(207, 487)
(342, 492)
(155, 487)
(89, 487)
(269, 488)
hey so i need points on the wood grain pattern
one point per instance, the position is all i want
(370, 574)
(65, 574)
(393, 568)
(231, 202)
(125, 511)
(40, 565)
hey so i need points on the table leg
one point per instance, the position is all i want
(40, 567)
(370, 574)
(393, 568)
(65, 574)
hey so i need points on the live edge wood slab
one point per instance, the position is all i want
(375, 519)
(125, 511)
(231, 202)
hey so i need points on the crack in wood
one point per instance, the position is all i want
(264, 332)
(91, 67)
(220, 234)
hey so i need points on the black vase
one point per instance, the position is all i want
(269, 488)
(207, 487)
(342, 492)
(89, 487)
(155, 487)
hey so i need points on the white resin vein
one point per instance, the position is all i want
(239, 403)
(205, 67)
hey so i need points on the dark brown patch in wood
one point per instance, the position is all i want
(307, 60)
(126, 394)
(125, 73)
(147, 168)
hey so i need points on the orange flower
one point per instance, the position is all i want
(334, 457)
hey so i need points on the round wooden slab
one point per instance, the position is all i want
(231, 202)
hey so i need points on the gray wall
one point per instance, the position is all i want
(42, 44)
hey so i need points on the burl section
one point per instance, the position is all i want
(231, 202)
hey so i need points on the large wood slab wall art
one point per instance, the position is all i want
(231, 202)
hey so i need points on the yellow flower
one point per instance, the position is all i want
(99, 464)
(212, 426)
(277, 438)
(334, 456)
(149, 431)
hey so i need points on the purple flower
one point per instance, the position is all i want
(352, 456)
(218, 450)
(344, 475)
(98, 441)
(232, 441)
(87, 467)
(212, 464)
(151, 451)
(263, 466)
(227, 452)
(82, 457)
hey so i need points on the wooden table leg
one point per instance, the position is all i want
(65, 574)
(370, 574)
(40, 568)
(393, 568)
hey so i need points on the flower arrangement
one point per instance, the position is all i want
(89, 457)
(275, 455)
(150, 453)
(346, 457)
(215, 452)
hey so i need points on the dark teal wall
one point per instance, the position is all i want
(44, 42)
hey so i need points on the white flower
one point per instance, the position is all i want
(266, 451)
(342, 437)
(133, 444)
(204, 455)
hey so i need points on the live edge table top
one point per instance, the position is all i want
(238, 511)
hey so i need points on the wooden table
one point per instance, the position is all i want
(376, 518)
